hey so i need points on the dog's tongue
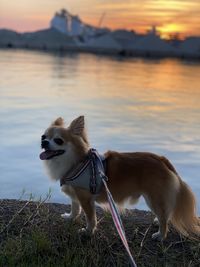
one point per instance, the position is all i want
(47, 154)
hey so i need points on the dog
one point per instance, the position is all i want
(130, 175)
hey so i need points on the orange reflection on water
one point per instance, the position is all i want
(149, 86)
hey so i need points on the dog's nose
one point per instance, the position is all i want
(45, 144)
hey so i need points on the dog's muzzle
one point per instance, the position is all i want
(48, 153)
(45, 144)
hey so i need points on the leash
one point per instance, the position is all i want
(118, 223)
(114, 210)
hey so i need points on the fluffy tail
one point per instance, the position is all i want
(184, 217)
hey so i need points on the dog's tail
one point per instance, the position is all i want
(184, 217)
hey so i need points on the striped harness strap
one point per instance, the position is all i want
(86, 175)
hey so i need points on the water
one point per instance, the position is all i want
(129, 105)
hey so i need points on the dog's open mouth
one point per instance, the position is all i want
(49, 154)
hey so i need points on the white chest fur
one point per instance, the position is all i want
(58, 166)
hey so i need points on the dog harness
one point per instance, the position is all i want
(88, 174)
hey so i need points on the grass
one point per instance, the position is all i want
(34, 234)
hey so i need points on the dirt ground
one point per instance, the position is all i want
(34, 234)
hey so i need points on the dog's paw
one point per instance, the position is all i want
(157, 236)
(156, 221)
(67, 216)
(86, 231)
(83, 231)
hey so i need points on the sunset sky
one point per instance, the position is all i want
(170, 16)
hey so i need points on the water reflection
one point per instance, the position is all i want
(130, 104)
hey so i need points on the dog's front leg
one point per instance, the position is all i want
(75, 211)
(88, 206)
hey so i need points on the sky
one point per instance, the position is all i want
(170, 16)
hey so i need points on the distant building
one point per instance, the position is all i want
(68, 32)
(190, 47)
(104, 43)
(152, 45)
(126, 39)
(66, 23)
(9, 38)
(49, 39)
(72, 26)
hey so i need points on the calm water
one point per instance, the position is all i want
(129, 104)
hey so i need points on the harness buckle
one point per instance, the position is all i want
(93, 188)
(93, 184)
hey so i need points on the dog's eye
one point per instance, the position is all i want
(58, 141)
(43, 137)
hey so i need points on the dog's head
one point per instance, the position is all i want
(59, 140)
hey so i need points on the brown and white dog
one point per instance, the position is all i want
(130, 175)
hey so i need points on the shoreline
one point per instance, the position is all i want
(33, 232)
(148, 46)
(104, 52)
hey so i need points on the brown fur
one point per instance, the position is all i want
(131, 175)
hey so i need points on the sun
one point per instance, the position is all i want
(167, 30)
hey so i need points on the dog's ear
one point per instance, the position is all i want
(77, 126)
(58, 122)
